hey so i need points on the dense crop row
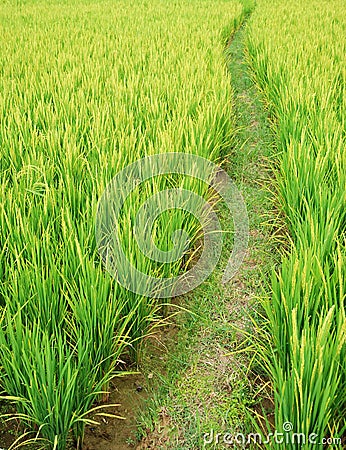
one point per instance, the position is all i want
(85, 89)
(297, 51)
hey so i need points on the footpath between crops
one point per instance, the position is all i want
(195, 383)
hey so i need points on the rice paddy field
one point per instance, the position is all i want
(89, 87)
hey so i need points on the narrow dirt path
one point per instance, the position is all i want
(194, 385)
(205, 388)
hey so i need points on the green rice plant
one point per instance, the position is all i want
(99, 323)
(51, 389)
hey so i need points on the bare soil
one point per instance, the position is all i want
(118, 434)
